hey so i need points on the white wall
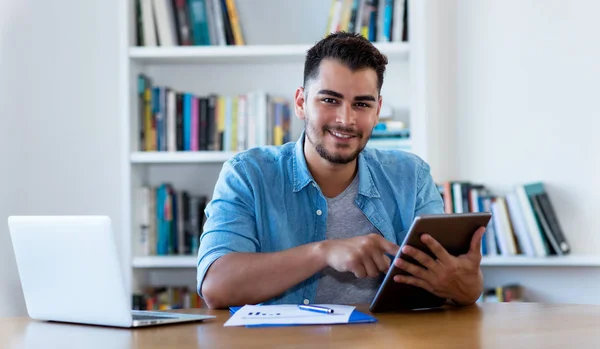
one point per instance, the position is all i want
(440, 70)
(527, 103)
(59, 78)
(11, 299)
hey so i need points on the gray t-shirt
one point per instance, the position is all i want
(345, 220)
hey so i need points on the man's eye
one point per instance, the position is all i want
(362, 105)
(329, 100)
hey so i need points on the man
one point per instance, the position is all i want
(316, 221)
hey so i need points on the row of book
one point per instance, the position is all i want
(171, 221)
(376, 20)
(187, 23)
(504, 293)
(216, 22)
(171, 120)
(167, 298)
(524, 221)
(390, 134)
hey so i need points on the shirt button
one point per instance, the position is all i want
(319, 212)
(314, 184)
(306, 301)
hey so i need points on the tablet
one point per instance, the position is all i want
(453, 231)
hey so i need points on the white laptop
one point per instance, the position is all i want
(70, 272)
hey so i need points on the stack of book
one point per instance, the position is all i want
(171, 120)
(187, 23)
(376, 20)
(390, 134)
(171, 221)
(524, 221)
(504, 293)
(167, 298)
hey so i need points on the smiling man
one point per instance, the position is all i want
(315, 221)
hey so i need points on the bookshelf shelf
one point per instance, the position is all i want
(180, 157)
(558, 261)
(517, 261)
(165, 262)
(240, 54)
(399, 144)
(187, 157)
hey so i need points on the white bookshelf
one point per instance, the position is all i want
(276, 67)
(272, 61)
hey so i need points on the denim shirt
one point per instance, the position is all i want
(266, 200)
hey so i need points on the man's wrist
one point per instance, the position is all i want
(467, 299)
(319, 253)
(462, 303)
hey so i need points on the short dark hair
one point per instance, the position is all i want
(351, 49)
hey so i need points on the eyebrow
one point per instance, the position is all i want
(341, 96)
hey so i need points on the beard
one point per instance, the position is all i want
(315, 137)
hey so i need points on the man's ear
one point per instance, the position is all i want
(378, 110)
(299, 103)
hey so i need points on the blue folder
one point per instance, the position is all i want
(356, 317)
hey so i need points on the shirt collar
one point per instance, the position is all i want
(302, 176)
(366, 186)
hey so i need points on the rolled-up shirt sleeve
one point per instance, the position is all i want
(230, 219)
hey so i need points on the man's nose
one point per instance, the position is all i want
(345, 115)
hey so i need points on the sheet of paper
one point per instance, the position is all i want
(288, 314)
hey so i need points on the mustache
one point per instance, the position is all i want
(340, 129)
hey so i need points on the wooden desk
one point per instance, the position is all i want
(489, 325)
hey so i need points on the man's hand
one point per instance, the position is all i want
(362, 255)
(456, 278)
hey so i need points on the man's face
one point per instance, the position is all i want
(340, 108)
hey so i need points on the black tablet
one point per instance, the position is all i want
(453, 231)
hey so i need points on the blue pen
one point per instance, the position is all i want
(316, 309)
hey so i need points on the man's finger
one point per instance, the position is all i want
(380, 262)
(387, 261)
(476, 241)
(421, 257)
(411, 280)
(359, 271)
(438, 250)
(388, 246)
(412, 269)
(370, 267)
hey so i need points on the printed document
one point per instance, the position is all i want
(288, 314)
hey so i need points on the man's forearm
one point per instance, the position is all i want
(250, 278)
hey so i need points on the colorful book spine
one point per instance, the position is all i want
(187, 121)
(235, 22)
(199, 22)
(194, 126)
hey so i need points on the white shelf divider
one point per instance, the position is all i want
(165, 262)
(516, 261)
(163, 157)
(553, 261)
(240, 54)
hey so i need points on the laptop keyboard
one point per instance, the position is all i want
(151, 317)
